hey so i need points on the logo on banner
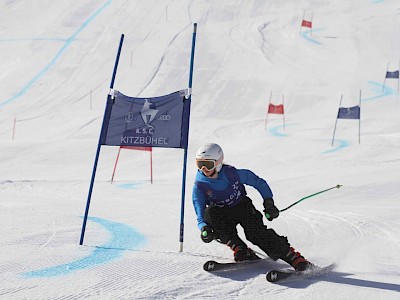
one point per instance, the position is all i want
(148, 114)
(130, 117)
(143, 134)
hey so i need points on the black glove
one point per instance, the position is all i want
(270, 210)
(207, 235)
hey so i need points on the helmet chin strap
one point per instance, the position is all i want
(211, 175)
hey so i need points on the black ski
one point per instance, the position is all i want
(213, 266)
(281, 275)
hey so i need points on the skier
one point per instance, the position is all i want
(220, 202)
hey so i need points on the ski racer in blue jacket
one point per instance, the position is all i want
(221, 203)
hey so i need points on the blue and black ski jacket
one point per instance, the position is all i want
(226, 190)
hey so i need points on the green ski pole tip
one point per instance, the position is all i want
(338, 186)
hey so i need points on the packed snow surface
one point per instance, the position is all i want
(57, 60)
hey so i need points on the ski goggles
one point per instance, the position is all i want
(209, 165)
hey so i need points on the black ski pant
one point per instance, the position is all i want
(224, 220)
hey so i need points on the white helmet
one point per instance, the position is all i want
(212, 152)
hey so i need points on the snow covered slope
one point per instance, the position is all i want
(57, 59)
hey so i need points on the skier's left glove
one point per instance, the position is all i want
(270, 210)
(207, 235)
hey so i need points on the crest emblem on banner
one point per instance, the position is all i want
(148, 114)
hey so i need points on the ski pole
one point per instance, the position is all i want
(309, 196)
(306, 197)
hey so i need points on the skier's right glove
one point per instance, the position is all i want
(207, 235)
(270, 210)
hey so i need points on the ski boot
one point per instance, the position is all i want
(241, 254)
(297, 261)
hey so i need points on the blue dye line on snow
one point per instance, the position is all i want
(123, 238)
(128, 186)
(275, 130)
(56, 57)
(342, 144)
(306, 35)
(377, 88)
